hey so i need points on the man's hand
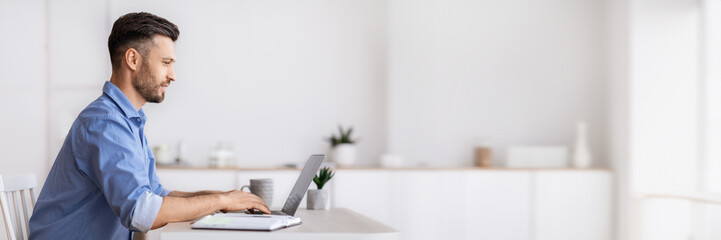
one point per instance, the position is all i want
(236, 200)
(178, 209)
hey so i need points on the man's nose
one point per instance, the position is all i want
(171, 75)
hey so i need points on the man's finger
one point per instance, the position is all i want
(262, 208)
(266, 211)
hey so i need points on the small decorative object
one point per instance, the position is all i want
(162, 154)
(537, 157)
(483, 155)
(181, 153)
(223, 155)
(319, 199)
(581, 151)
(342, 147)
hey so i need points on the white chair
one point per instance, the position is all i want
(12, 197)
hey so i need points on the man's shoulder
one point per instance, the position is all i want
(101, 110)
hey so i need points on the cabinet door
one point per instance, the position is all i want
(197, 180)
(497, 205)
(283, 182)
(370, 193)
(572, 205)
(431, 204)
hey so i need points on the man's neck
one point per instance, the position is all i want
(124, 83)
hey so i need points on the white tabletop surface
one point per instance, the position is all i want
(336, 223)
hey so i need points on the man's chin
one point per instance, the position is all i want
(156, 99)
(162, 97)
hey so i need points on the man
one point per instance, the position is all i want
(103, 183)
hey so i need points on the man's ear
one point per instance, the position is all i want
(132, 59)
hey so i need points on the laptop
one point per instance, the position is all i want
(244, 220)
(300, 187)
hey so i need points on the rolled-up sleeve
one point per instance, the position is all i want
(113, 159)
(164, 192)
(146, 209)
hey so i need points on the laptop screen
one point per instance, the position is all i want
(301, 186)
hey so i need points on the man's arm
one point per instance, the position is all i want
(178, 209)
(192, 194)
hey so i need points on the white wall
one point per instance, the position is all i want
(711, 94)
(710, 169)
(22, 87)
(23, 92)
(655, 113)
(276, 77)
(665, 99)
(617, 57)
(273, 77)
(508, 72)
(664, 103)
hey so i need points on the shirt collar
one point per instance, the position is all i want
(122, 101)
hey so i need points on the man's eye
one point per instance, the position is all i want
(166, 63)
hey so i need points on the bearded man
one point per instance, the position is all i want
(103, 183)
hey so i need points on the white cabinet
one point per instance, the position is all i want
(448, 203)
(572, 205)
(437, 204)
(497, 205)
(482, 204)
(430, 204)
(369, 193)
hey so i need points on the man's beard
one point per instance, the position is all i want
(145, 84)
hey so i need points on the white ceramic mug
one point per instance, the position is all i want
(263, 187)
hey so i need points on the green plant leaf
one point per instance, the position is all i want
(323, 177)
(344, 136)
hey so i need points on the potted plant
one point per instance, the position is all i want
(320, 198)
(342, 147)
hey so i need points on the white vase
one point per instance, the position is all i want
(318, 199)
(344, 154)
(581, 151)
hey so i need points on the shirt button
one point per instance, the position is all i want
(137, 119)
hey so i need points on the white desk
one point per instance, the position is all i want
(336, 223)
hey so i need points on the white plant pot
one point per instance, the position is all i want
(344, 154)
(318, 199)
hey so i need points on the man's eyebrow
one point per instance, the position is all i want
(169, 58)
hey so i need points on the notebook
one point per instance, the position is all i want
(239, 221)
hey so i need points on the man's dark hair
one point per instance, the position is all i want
(136, 30)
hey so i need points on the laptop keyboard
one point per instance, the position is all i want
(273, 212)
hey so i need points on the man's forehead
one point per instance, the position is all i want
(162, 40)
(164, 47)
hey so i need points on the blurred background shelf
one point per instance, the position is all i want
(186, 167)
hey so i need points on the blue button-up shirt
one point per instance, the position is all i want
(103, 183)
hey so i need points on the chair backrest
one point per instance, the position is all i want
(15, 206)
